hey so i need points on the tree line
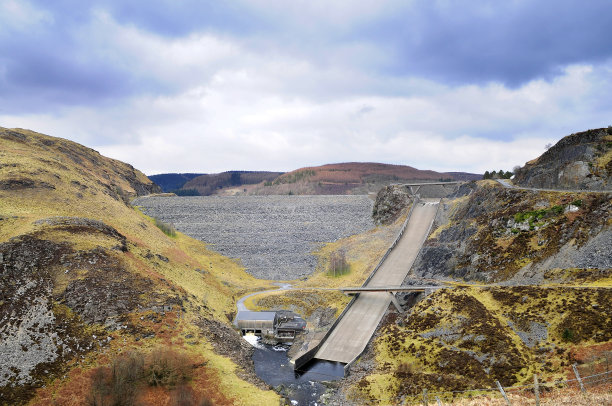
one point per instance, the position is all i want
(497, 175)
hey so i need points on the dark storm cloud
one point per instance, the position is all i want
(51, 62)
(48, 64)
(511, 42)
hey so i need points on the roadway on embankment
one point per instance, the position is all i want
(509, 185)
(353, 332)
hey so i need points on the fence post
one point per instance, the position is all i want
(501, 390)
(536, 388)
(424, 397)
(438, 400)
(578, 378)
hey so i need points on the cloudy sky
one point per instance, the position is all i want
(208, 86)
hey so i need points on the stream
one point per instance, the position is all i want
(273, 367)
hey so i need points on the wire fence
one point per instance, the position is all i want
(579, 382)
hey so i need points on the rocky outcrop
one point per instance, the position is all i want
(37, 335)
(390, 201)
(53, 297)
(578, 161)
(502, 234)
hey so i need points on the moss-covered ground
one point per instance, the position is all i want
(467, 338)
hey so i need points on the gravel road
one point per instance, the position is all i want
(273, 236)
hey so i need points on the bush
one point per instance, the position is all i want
(120, 383)
(404, 370)
(168, 229)
(167, 368)
(338, 265)
(184, 395)
(568, 335)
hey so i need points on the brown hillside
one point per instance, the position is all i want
(90, 286)
(351, 178)
(358, 172)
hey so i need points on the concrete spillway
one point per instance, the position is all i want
(353, 332)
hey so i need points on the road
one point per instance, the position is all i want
(509, 185)
(353, 332)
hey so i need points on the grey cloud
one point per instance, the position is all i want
(482, 41)
(372, 53)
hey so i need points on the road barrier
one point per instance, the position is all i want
(305, 358)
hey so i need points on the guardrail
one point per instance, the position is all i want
(348, 366)
(309, 355)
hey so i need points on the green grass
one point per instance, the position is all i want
(168, 229)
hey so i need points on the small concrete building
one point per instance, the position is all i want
(282, 325)
(259, 323)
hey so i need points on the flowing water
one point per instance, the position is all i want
(302, 388)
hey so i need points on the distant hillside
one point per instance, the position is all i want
(579, 161)
(210, 184)
(170, 182)
(351, 178)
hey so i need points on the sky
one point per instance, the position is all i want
(209, 86)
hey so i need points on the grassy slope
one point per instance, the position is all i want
(66, 179)
(363, 251)
(469, 337)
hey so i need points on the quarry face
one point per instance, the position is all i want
(273, 236)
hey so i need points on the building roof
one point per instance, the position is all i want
(246, 315)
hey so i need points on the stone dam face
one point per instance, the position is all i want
(273, 236)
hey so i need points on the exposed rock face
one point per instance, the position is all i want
(578, 161)
(44, 324)
(390, 201)
(35, 337)
(503, 234)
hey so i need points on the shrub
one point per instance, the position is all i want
(168, 229)
(568, 335)
(404, 370)
(338, 265)
(120, 383)
(167, 368)
(184, 395)
(557, 209)
(577, 203)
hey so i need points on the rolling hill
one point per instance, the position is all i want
(351, 178)
(171, 182)
(331, 179)
(100, 304)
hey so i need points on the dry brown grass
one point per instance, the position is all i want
(600, 396)
(78, 182)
